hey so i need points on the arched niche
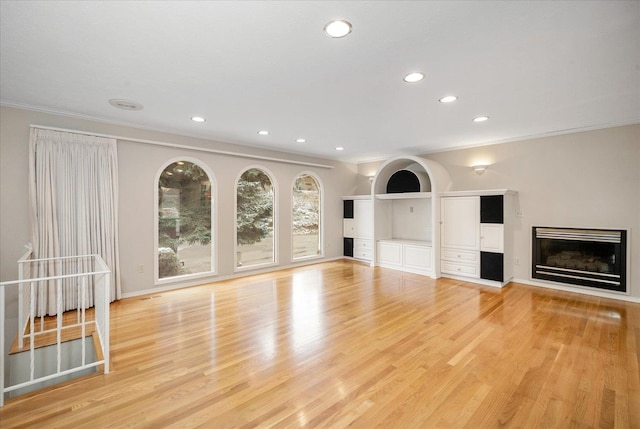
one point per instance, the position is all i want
(431, 175)
(432, 179)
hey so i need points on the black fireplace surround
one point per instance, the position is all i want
(579, 256)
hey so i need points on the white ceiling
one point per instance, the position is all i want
(536, 68)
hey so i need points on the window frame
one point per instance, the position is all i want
(320, 217)
(276, 226)
(214, 225)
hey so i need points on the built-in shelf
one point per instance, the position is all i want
(410, 242)
(403, 196)
(357, 197)
(484, 192)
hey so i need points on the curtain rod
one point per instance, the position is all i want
(186, 147)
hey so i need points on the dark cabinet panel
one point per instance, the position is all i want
(492, 266)
(492, 209)
(348, 246)
(347, 209)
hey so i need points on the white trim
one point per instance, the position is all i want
(186, 147)
(405, 269)
(634, 121)
(320, 217)
(621, 296)
(274, 215)
(477, 280)
(214, 222)
(236, 275)
(404, 196)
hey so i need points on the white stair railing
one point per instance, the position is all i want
(89, 278)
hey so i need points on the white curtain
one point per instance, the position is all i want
(74, 207)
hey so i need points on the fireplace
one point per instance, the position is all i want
(586, 257)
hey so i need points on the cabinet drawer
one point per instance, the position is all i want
(363, 244)
(460, 269)
(465, 256)
(363, 253)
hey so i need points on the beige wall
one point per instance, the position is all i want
(587, 179)
(138, 166)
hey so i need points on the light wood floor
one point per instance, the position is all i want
(342, 345)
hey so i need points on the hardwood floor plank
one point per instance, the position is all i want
(340, 344)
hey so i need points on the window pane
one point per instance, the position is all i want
(184, 220)
(254, 222)
(306, 217)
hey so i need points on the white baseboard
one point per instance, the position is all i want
(216, 279)
(547, 285)
(578, 289)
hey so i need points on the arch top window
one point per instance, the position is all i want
(255, 237)
(306, 217)
(184, 221)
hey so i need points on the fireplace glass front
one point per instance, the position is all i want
(585, 257)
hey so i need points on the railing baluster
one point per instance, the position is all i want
(32, 333)
(2, 346)
(35, 291)
(106, 287)
(59, 323)
(83, 316)
(20, 306)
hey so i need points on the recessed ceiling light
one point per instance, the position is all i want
(481, 119)
(125, 104)
(301, 141)
(198, 119)
(339, 148)
(448, 99)
(180, 162)
(414, 77)
(338, 28)
(263, 132)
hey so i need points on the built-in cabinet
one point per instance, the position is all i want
(406, 255)
(476, 235)
(394, 230)
(404, 231)
(412, 222)
(357, 224)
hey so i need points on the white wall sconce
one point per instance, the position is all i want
(371, 178)
(480, 168)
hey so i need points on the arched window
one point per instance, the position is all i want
(306, 217)
(184, 220)
(255, 235)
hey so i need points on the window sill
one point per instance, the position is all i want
(255, 267)
(307, 258)
(176, 279)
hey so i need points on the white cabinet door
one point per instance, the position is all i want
(492, 237)
(418, 257)
(363, 218)
(461, 222)
(389, 253)
(347, 228)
